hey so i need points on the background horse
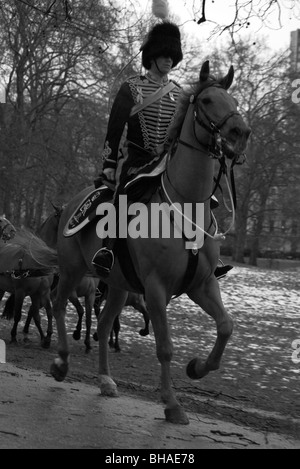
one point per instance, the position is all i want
(208, 130)
(27, 266)
(87, 289)
(133, 299)
(38, 289)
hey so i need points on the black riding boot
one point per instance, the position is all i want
(104, 259)
(221, 271)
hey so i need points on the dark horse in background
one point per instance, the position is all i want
(93, 290)
(38, 289)
(209, 131)
(27, 266)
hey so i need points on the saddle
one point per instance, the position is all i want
(141, 189)
(86, 210)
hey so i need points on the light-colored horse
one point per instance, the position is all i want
(210, 130)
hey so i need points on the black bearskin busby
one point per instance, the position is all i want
(162, 40)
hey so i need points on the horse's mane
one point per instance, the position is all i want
(193, 88)
(49, 228)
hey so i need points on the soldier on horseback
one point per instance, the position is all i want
(147, 105)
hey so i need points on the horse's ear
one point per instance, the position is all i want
(227, 80)
(57, 208)
(204, 72)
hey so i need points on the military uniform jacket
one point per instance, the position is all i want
(146, 130)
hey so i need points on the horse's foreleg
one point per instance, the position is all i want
(113, 307)
(27, 322)
(34, 311)
(115, 331)
(60, 366)
(156, 305)
(89, 302)
(80, 311)
(19, 298)
(209, 299)
(47, 340)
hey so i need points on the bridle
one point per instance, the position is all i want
(217, 147)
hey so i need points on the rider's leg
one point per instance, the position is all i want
(222, 270)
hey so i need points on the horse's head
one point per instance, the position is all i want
(7, 229)
(218, 124)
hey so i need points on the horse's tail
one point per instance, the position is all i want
(8, 312)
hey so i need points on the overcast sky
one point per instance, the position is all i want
(221, 12)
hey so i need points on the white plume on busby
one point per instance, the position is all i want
(162, 40)
(160, 8)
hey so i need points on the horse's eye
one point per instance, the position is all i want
(206, 101)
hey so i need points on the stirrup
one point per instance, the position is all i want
(106, 255)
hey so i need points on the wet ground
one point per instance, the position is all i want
(258, 383)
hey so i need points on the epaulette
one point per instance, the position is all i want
(136, 79)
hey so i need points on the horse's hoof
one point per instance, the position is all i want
(191, 369)
(144, 332)
(176, 415)
(95, 337)
(88, 348)
(45, 343)
(107, 386)
(59, 372)
(76, 335)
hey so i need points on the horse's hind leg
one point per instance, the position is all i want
(66, 284)
(27, 323)
(89, 303)
(19, 298)
(209, 299)
(156, 305)
(113, 307)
